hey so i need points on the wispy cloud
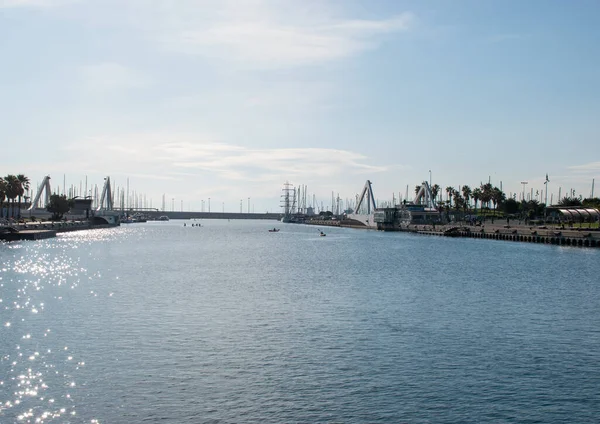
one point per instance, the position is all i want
(277, 43)
(261, 34)
(173, 155)
(250, 164)
(588, 167)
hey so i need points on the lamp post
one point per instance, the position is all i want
(546, 199)
(524, 184)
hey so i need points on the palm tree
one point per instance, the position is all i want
(569, 201)
(466, 192)
(497, 197)
(435, 190)
(12, 190)
(458, 200)
(450, 192)
(23, 186)
(476, 196)
(2, 196)
(486, 194)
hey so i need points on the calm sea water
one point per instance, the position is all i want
(229, 323)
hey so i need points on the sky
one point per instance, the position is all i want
(229, 99)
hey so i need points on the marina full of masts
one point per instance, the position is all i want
(453, 203)
(17, 192)
(20, 190)
(297, 201)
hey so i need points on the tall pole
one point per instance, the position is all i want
(593, 188)
(209, 205)
(248, 205)
(546, 199)
(524, 183)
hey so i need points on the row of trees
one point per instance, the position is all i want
(487, 194)
(591, 202)
(12, 187)
(12, 191)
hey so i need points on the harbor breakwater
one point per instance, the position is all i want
(44, 230)
(554, 236)
(206, 215)
(541, 235)
(578, 237)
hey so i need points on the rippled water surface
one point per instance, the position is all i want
(229, 323)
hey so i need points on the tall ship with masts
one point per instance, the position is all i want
(288, 202)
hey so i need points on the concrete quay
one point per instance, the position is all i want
(42, 230)
(28, 235)
(553, 235)
(577, 237)
(337, 223)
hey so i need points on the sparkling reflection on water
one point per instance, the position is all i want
(39, 370)
(230, 323)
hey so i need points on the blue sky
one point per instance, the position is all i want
(228, 99)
